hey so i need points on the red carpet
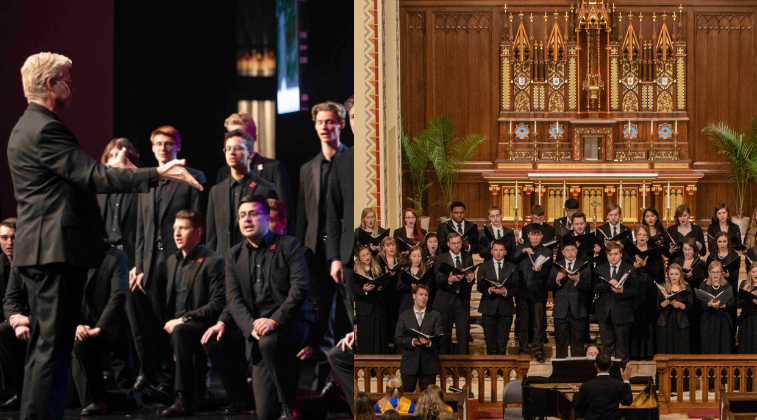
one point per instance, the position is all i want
(701, 413)
(490, 414)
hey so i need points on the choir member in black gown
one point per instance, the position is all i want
(369, 306)
(656, 232)
(721, 222)
(564, 225)
(368, 224)
(431, 250)
(682, 229)
(695, 271)
(750, 240)
(650, 272)
(494, 231)
(609, 230)
(389, 259)
(716, 325)
(411, 232)
(748, 316)
(417, 269)
(673, 317)
(722, 252)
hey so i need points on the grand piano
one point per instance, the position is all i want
(552, 396)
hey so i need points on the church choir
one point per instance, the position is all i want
(651, 289)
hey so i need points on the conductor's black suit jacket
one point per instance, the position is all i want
(55, 184)
(600, 397)
(284, 271)
(206, 285)
(182, 197)
(412, 355)
(219, 215)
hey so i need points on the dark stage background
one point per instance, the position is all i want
(138, 65)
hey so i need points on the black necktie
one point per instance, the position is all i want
(614, 231)
(614, 272)
(457, 262)
(498, 235)
(460, 228)
(570, 266)
(499, 270)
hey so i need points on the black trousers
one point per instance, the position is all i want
(460, 317)
(535, 312)
(343, 365)
(569, 331)
(55, 296)
(616, 338)
(145, 313)
(345, 304)
(88, 369)
(322, 295)
(230, 361)
(496, 332)
(191, 360)
(409, 382)
(12, 356)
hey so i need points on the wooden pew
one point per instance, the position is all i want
(738, 405)
(457, 400)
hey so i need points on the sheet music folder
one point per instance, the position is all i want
(579, 370)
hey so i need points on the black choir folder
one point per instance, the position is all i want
(507, 237)
(653, 253)
(585, 241)
(413, 333)
(724, 296)
(365, 238)
(575, 269)
(410, 279)
(674, 295)
(621, 281)
(446, 269)
(619, 237)
(747, 296)
(379, 281)
(498, 284)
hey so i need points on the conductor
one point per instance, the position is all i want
(60, 231)
(600, 397)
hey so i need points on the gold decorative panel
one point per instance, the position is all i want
(555, 203)
(681, 81)
(505, 84)
(630, 205)
(522, 102)
(508, 203)
(630, 102)
(556, 102)
(593, 205)
(614, 83)
(664, 102)
(572, 84)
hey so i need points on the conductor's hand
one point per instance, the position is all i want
(121, 160)
(175, 171)
(216, 330)
(626, 373)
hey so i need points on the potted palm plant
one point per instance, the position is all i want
(449, 152)
(416, 153)
(741, 149)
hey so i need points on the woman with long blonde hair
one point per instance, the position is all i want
(748, 316)
(393, 399)
(369, 306)
(716, 325)
(428, 406)
(368, 223)
(388, 258)
(673, 315)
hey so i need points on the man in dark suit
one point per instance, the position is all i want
(599, 398)
(271, 170)
(148, 280)
(195, 298)
(266, 287)
(223, 227)
(330, 119)
(581, 227)
(496, 305)
(614, 308)
(532, 296)
(100, 329)
(570, 294)
(59, 227)
(119, 210)
(340, 210)
(611, 229)
(564, 225)
(7, 239)
(420, 357)
(495, 230)
(457, 223)
(453, 294)
(342, 361)
(537, 218)
(14, 337)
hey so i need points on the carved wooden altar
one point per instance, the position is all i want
(593, 98)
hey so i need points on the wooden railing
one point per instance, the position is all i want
(737, 405)
(684, 381)
(485, 376)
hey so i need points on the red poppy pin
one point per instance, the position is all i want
(273, 246)
(253, 185)
(199, 260)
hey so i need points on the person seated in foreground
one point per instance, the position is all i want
(600, 397)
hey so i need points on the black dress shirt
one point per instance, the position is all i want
(325, 173)
(265, 305)
(235, 192)
(161, 203)
(181, 280)
(112, 218)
